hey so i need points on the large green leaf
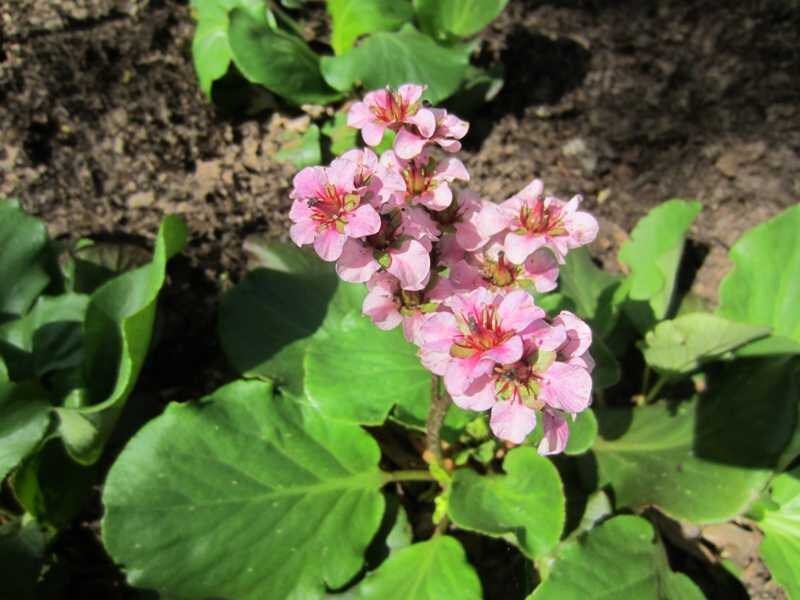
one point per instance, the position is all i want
(680, 345)
(764, 286)
(253, 497)
(590, 289)
(525, 505)
(621, 558)
(211, 50)
(357, 372)
(49, 337)
(705, 460)
(653, 255)
(266, 321)
(281, 62)
(354, 18)
(395, 58)
(117, 332)
(430, 570)
(24, 417)
(780, 548)
(26, 261)
(460, 18)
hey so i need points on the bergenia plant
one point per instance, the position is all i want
(459, 273)
(421, 370)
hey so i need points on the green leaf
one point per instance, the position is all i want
(705, 460)
(780, 548)
(22, 546)
(211, 50)
(281, 62)
(525, 506)
(459, 18)
(342, 138)
(395, 58)
(430, 570)
(94, 263)
(51, 487)
(582, 433)
(48, 338)
(26, 260)
(590, 289)
(621, 558)
(301, 150)
(24, 417)
(607, 370)
(117, 332)
(653, 255)
(354, 18)
(764, 285)
(263, 326)
(357, 372)
(680, 346)
(254, 496)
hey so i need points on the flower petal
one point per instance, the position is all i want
(520, 247)
(556, 434)
(356, 263)
(408, 145)
(329, 244)
(512, 421)
(479, 395)
(372, 133)
(517, 310)
(566, 387)
(362, 222)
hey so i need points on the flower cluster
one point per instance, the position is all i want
(456, 271)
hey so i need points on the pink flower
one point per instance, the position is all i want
(482, 330)
(537, 222)
(446, 133)
(490, 268)
(575, 349)
(385, 109)
(388, 305)
(328, 209)
(537, 382)
(427, 182)
(407, 259)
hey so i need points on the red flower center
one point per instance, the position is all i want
(481, 332)
(541, 219)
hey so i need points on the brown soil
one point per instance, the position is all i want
(629, 103)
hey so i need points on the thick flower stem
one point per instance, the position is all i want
(409, 475)
(433, 427)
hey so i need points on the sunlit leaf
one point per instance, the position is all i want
(653, 255)
(27, 265)
(281, 62)
(460, 18)
(354, 18)
(780, 548)
(117, 332)
(705, 460)
(525, 505)
(621, 558)
(680, 345)
(254, 497)
(764, 286)
(430, 570)
(395, 58)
